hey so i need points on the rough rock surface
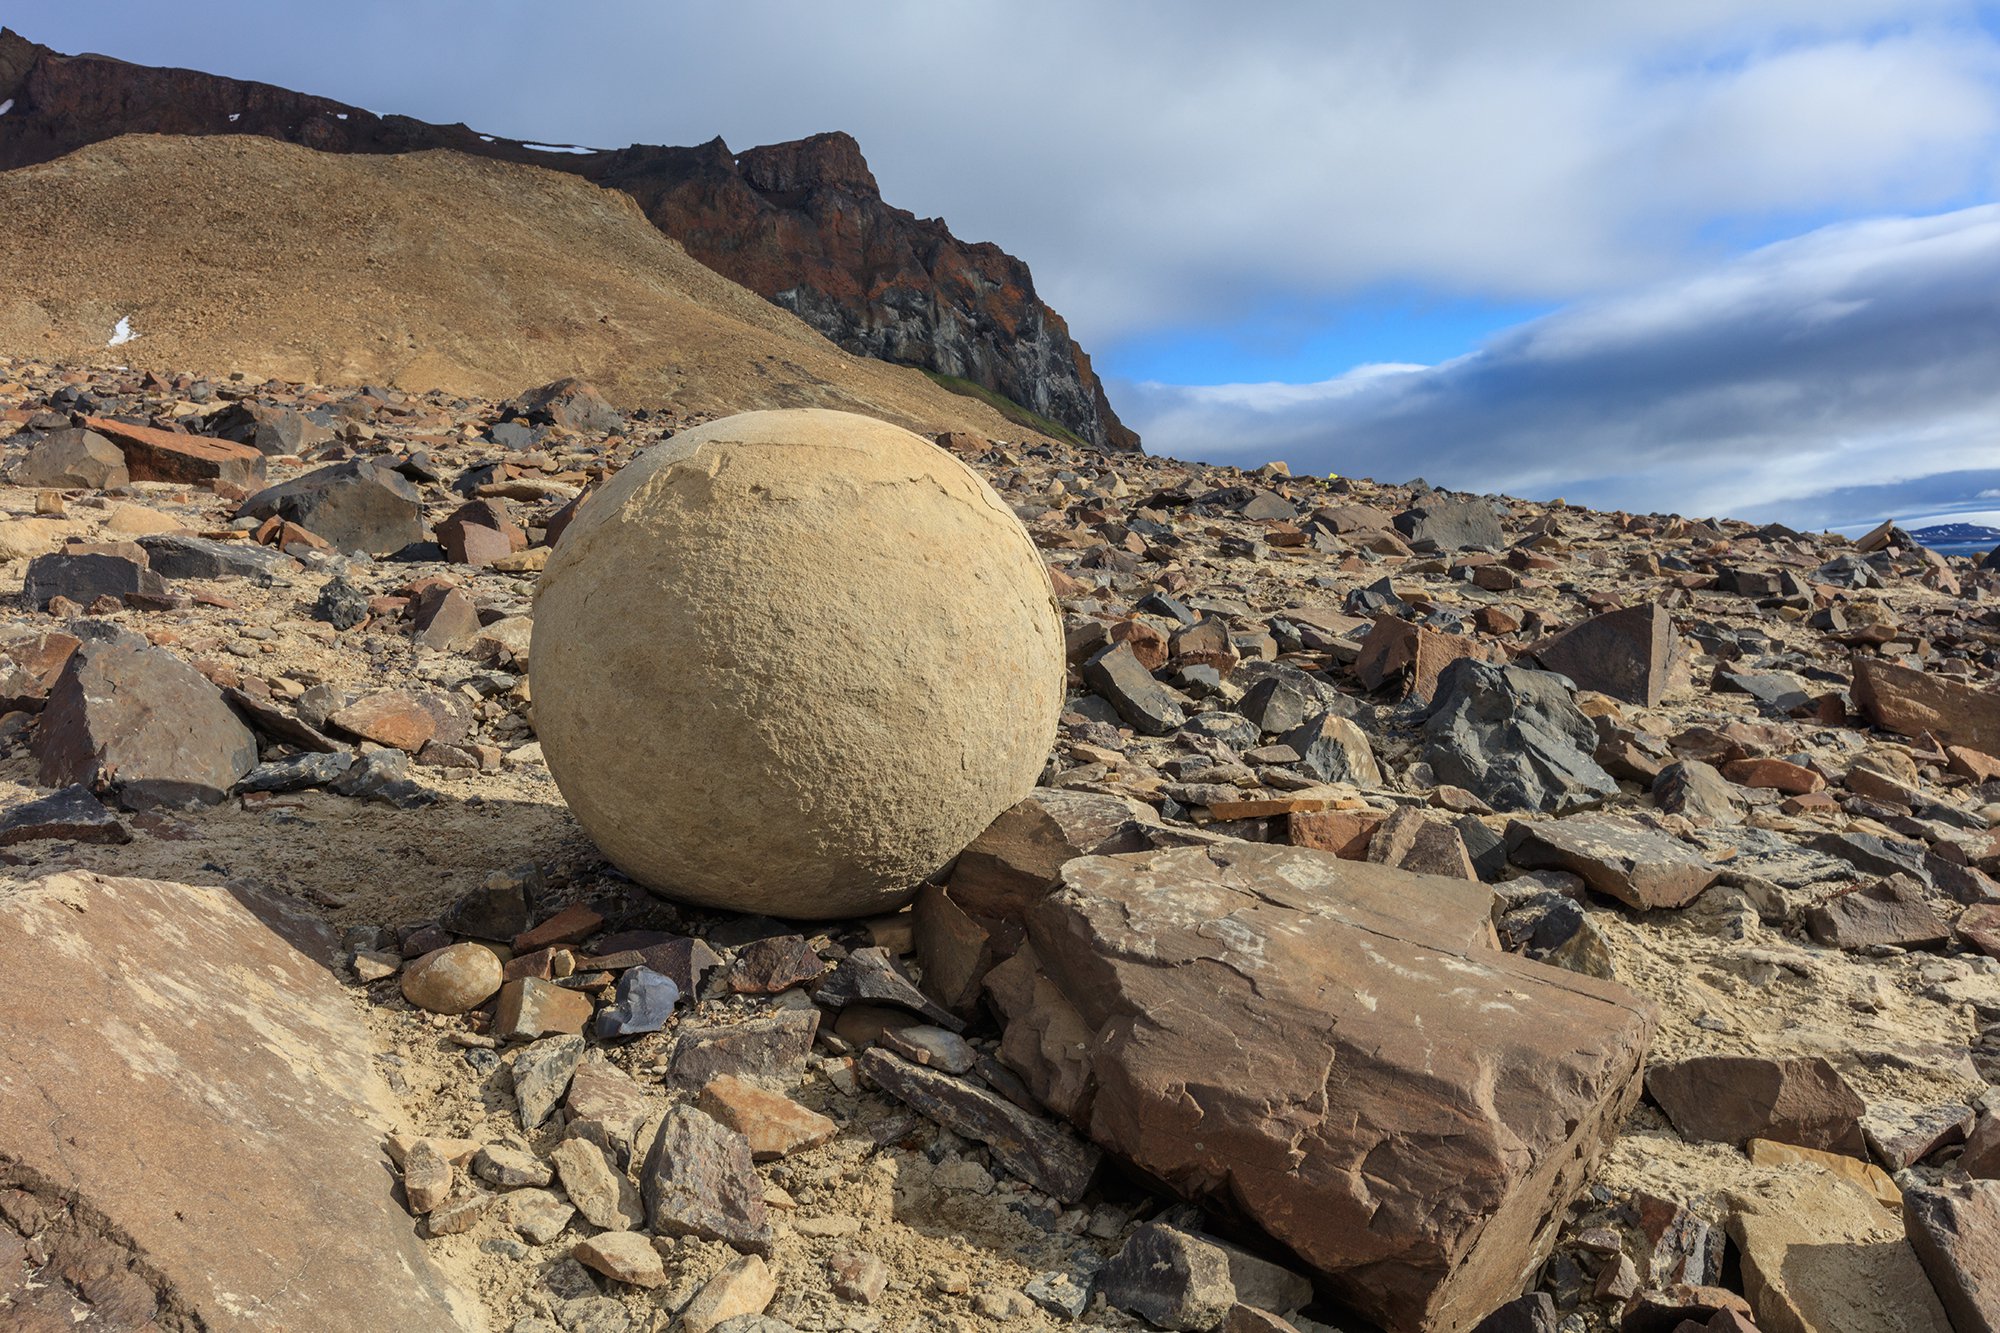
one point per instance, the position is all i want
(357, 506)
(230, 1146)
(1627, 654)
(1827, 1261)
(725, 550)
(1955, 1230)
(135, 719)
(1736, 1098)
(1515, 738)
(1245, 1017)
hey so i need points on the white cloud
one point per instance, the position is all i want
(1175, 161)
(1860, 355)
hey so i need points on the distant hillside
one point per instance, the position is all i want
(422, 270)
(801, 224)
(1957, 534)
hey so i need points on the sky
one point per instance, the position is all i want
(1716, 257)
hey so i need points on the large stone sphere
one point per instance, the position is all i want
(792, 662)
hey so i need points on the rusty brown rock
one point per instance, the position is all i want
(235, 1147)
(163, 455)
(1626, 654)
(1916, 704)
(1250, 1020)
(773, 1124)
(1395, 648)
(1411, 840)
(1733, 1098)
(1020, 856)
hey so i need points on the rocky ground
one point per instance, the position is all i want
(270, 642)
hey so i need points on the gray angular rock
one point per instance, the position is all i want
(699, 1180)
(1514, 738)
(133, 718)
(1333, 749)
(1122, 681)
(542, 1072)
(356, 505)
(1896, 911)
(72, 459)
(1447, 523)
(299, 772)
(177, 555)
(73, 814)
(1170, 1279)
(1040, 1152)
(84, 574)
(1699, 791)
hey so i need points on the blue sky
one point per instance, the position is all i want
(1713, 256)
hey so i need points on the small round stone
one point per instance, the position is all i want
(453, 979)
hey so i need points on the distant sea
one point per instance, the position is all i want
(1961, 548)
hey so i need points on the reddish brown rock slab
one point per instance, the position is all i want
(1617, 857)
(207, 1091)
(1345, 833)
(1914, 703)
(1413, 841)
(773, 1124)
(1336, 1050)
(1396, 648)
(1020, 856)
(1979, 926)
(1974, 764)
(1774, 775)
(163, 455)
(1626, 654)
(403, 719)
(1897, 911)
(1955, 1230)
(1734, 1098)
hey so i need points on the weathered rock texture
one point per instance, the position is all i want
(802, 224)
(792, 662)
(1335, 1050)
(194, 1092)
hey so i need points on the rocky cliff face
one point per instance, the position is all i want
(802, 224)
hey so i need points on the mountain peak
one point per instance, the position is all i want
(802, 224)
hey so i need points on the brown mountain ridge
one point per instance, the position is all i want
(802, 224)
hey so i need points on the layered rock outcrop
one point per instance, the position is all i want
(802, 224)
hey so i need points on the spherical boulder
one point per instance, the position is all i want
(792, 662)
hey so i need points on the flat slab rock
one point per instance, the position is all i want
(1338, 1051)
(1617, 857)
(179, 1070)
